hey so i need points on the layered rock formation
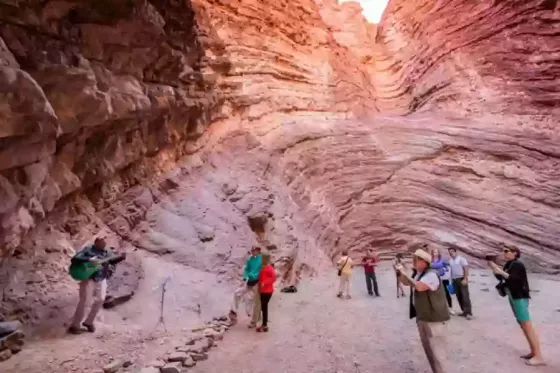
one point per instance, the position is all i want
(188, 131)
(470, 57)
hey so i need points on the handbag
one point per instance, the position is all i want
(341, 268)
(501, 288)
(450, 288)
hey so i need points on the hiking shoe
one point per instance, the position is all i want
(261, 329)
(75, 330)
(90, 327)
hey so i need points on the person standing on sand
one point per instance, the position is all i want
(369, 262)
(344, 266)
(267, 278)
(444, 272)
(429, 306)
(250, 279)
(513, 279)
(399, 261)
(96, 285)
(460, 278)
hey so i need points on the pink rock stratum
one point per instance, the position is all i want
(186, 131)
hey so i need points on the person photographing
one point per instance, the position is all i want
(369, 262)
(515, 285)
(429, 306)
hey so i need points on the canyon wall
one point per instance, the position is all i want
(104, 108)
(475, 57)
(186, 131)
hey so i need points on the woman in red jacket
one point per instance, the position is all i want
(267, 278)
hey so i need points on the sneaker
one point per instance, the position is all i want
(339, 295)
(468, 317)
(452, 313)
(261, 329)
(251, 325)
(370, 294)
(348, 296)
(90, 327)
(75, 330)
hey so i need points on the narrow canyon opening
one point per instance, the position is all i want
(186, 132)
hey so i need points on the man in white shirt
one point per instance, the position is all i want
(459, 268)
(429, 306)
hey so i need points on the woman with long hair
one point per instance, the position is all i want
(442, 268)
(267, 278)
(515, 285)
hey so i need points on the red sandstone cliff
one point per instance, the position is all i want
(192, 130)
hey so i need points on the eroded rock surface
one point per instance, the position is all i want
(189, 131)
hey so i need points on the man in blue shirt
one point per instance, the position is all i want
(250, 281)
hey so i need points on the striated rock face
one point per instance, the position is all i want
(187, 131)
(470, 57)
(101, 99)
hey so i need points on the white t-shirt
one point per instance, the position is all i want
(431, 279)
(456, 265)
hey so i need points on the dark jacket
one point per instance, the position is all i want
(517, 282)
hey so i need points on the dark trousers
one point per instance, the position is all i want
(463, 297)
(447, 295)
(371, 279)
(265, 298)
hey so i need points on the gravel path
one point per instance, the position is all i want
(312, 331)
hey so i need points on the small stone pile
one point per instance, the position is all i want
(184, 356)
(11, 339)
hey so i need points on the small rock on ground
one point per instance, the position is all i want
(5, 355)
(199, 356)
(113, 366)
(172, 368)
(177, 356)
(189, 363)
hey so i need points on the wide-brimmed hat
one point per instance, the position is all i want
(425, 256)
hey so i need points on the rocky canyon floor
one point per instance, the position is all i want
(311, 331)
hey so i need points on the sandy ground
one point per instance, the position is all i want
(311, 331)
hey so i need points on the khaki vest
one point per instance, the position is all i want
(430, 306)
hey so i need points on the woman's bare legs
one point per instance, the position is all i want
(533, 340)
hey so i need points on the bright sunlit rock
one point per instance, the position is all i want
(373, 9)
